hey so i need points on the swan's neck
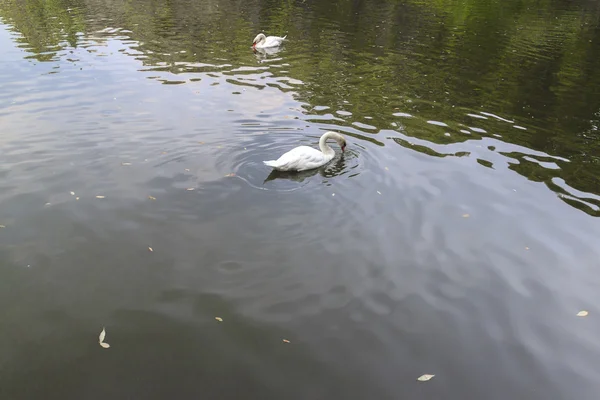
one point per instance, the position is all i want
(325, 149)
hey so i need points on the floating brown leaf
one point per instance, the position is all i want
(151, 249)
(286, 341)
(425, 377)
(526, 248)
(100, 197)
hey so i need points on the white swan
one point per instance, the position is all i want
(261, 41)
(302, 158)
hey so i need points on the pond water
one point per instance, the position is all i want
(458, 235)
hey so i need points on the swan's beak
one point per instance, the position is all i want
(343, 148)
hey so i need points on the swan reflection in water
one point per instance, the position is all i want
(264, 53)
(336, 167)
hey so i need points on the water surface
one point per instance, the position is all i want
(457, 236)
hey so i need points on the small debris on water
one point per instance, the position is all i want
(72, 193)
(125, 163)
(2, 226)
(187, 170)
(582, 313)
(286, 341)
(47, 204)
(425, 377)
(219, 319)
(152, 197)
(230, 175)
(333, 194)
(466, 215)
(101, 339)
(378, 192)
(151, 249)
(190, 189)
(100, 197)
(526, 248)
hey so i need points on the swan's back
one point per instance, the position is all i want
(273, 41)
(300, 158)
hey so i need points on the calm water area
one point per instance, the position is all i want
(458, 235)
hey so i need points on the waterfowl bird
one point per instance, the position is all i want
(303, 158)
(261, 41)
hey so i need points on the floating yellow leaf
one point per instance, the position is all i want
(150, 248)
(2, 226)
(126, 163)
(425, 377)
(387, 169)
(526, 248)
(99, 197)
(286, 341)
(76, 198)
(582, 313)
(72, 193)
(466, 215)
(190, 189)
(152, 197)
(105, 345)
(219, 319)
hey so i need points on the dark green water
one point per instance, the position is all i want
(457, 236)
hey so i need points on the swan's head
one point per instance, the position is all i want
(259, 38)
(341, 141)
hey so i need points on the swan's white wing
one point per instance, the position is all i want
(300, 159)
(273, 41)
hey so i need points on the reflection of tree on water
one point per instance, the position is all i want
(333, 168)
(535, 62)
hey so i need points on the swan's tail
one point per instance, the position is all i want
(271, 163)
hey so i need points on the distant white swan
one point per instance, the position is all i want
(303, 158)
(261, 41)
